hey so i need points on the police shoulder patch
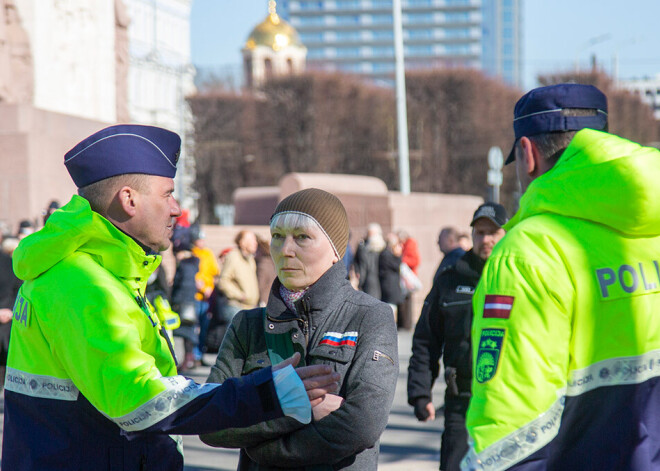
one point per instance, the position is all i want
(488, 354)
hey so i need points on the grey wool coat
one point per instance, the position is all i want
(334, 325)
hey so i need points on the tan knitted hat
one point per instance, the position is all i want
(325, 208)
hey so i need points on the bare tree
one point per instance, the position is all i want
(335, 123)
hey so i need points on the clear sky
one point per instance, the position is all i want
(556, 34)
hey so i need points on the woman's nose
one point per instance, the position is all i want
(288, 246)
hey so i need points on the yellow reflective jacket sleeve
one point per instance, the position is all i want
(521, 328)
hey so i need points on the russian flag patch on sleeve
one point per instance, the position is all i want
(337, 339)
(497, 306)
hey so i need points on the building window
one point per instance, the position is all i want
(311, 37)
(423, 50)
(308, 20)
(418, 3)
(348, 52)
(419, 33)
(383, 67)
(348, 5)
(381, 19)
(383, 51)
(316, 54)
(315, 6)
(418, 18)
(348, 19)
(348, 35)
(383, 35)
(454, 33)
(457, 17)
(268, 69)
(249, 78)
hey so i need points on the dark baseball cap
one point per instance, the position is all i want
(493, 211)
(540, 111)
(122, 149)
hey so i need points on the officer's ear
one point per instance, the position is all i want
(529, 156)
(127, 199)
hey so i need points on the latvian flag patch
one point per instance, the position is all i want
(337, 340)
(497, 306)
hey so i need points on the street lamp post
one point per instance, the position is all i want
(401, 111)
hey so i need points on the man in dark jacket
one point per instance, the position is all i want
(444, 329)
(9, 286)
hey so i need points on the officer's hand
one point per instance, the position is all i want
(318, 380)
(424, 410)
(293, 360)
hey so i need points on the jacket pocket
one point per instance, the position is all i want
(339, 358)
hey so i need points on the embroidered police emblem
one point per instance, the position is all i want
(488, 355)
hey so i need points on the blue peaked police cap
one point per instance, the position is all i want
(121, 149)
(540, 111)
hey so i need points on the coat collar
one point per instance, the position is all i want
(470, 265)
(320, 299)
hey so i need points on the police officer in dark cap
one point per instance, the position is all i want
(443, 330)
(91, 377)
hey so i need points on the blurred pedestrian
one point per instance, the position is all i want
(450, 248)
(365, 262)
(389, 272)
(184, 296)
(53, 206)
(206, 278)
(266, 272)
(238, 278)
(9, 286)
(25, 228)
(464, 241)
(410, 257)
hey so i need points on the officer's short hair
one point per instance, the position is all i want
(552, 144)
(99, 194)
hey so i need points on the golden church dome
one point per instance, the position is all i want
(273, 32)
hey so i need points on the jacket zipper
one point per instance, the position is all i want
(305, 328)
(456, 303)
(302, 322)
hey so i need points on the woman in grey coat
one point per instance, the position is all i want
(313, 309)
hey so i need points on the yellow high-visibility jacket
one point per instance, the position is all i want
(566, 331)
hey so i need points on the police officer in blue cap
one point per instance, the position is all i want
(566, 331)
(91, 377)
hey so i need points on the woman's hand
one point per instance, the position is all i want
(330, 403)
